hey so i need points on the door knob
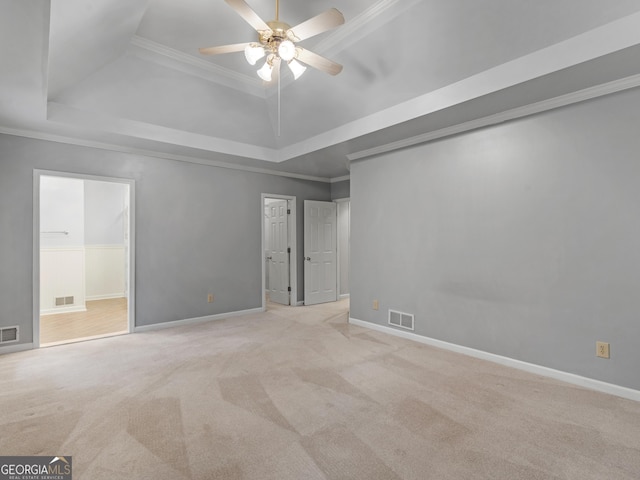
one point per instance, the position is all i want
(308, 259)
(269, 258)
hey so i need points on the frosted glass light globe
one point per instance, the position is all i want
(286, 50)
(296, 68)
(253, 53)
(265, 72)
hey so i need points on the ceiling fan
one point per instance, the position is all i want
(278, 42)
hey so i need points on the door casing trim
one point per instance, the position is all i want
(37, 174)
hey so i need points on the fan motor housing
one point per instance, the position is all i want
(277, 34)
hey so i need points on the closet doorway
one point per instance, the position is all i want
(83, 257)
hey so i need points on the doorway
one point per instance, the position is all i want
(83, 257)
(279, 266)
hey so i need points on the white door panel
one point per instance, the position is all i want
(320, 274)
(278, 252)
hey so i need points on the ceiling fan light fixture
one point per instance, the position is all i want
(265, 71)
(253, 52)
(296, 68)
(277, 41)
(286, 50)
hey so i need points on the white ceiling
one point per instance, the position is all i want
(127, 74)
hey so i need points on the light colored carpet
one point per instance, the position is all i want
(297, 393)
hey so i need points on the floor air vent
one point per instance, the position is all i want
(8, 334)
(400, 319)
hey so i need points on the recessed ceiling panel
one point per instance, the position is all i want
(86, 35)
(133, 89)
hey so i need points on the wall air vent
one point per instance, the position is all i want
(8, 334)
(400, 319)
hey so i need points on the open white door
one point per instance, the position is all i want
(320, 258)
(278, 248)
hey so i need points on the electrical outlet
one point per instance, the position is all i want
(210, 298)
(376, 305)
(602, 349)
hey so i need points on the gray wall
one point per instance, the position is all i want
(198, 229)
(340, 190)
(522, 239)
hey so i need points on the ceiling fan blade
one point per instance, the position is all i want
(245, 11)
(236, 47)
(317, 61)
(318, 24)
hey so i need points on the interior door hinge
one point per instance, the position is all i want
(288, 249)
(288, 289)
(288, 211)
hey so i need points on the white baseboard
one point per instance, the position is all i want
(585, 382)
(53, 311)
(344, 295)
(107, 296)
(20, 347)
(192, 321)
(300, 303)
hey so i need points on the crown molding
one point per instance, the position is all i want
(185, 63)
(340, 179)
(52, 137)
(515, 113)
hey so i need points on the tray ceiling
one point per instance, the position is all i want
(127, 74)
